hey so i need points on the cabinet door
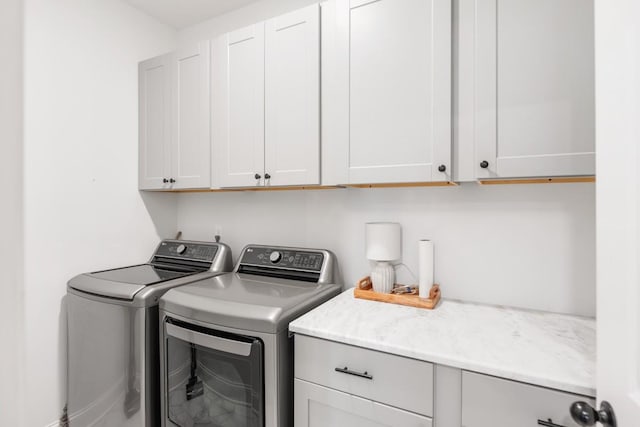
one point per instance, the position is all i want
(292, 91)
(154, 86)
(317, 406)
(494, 402)
(394, 56)
(534, 93)
(238, 107)
(191, 142)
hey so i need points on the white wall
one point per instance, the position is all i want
(11, 260)
(530, 246)
(82, 207)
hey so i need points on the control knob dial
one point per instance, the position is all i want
(275, 257)
(180, 249)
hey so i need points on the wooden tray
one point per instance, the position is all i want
(364, 290)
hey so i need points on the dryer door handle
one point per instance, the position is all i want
(210, 341)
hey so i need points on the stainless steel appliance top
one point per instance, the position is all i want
(270, 286)
(177, 261)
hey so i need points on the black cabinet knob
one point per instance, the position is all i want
(267, 176)
(583, 414)
(442, 168)
(257, 176)
(484, 164)
(171, 180)
(165, 180)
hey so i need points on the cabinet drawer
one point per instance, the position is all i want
(495, 402)
(317, 406)
(393, 380)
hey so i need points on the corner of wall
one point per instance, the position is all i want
(11, 214)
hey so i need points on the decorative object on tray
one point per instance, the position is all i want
(383, 246)
(404, 290)
(364, 291)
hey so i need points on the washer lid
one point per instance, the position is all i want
(173, 261)
(245, 301)
(124, 283)
(144, 274)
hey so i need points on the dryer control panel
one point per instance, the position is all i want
(284, 258)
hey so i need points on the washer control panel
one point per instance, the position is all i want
(188, 250)
(283, 258)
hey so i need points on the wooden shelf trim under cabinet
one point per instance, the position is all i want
(404, 184)
(556, 180)
(314, 187)
(284, 188)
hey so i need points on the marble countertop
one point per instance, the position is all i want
(546, 349)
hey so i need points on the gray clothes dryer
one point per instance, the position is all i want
(112, 315)
(227, 356)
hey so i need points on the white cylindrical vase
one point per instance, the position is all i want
(425, 267)
(383, 277)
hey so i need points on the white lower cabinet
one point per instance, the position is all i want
(343, 385)
(318, 406)
(495, 402)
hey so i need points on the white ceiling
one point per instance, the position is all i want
(184, 13)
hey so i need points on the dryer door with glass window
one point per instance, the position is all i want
(212, 378)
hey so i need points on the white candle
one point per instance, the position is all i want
(425, 267)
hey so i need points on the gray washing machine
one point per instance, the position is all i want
(113, 361)
(227, 355)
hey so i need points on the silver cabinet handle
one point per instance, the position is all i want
(548, 423)
(209, 341)
(348, 371)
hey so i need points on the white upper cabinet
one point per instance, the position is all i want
(533, 99)
(238, 107)
(388, 97)
(245, 110)
(191, 139)
(266, 102)
(174, 141)
(292, 88)
(154, 87)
